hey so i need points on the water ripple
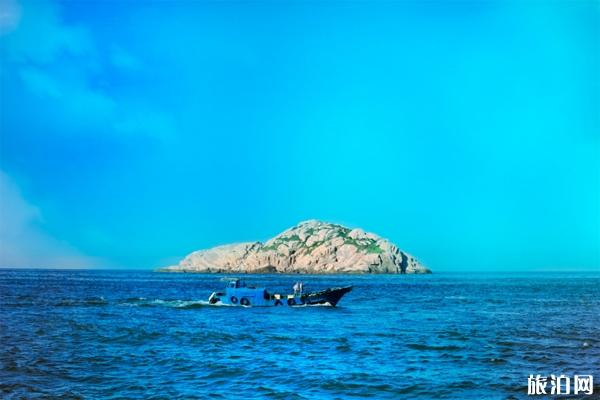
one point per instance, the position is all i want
(106, 334)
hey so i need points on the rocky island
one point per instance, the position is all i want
(311, 247)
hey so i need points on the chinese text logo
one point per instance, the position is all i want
(580, 384)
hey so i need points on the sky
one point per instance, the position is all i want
(466, 132)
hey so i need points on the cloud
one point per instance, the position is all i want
(10, 15)
(70, 95)
(87, 107)
(61, 66)
(38, 35)
(123, 59)
(23, 242)
(146, 122)
(40, 83)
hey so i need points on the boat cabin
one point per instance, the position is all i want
(237, 292)
(235, 283)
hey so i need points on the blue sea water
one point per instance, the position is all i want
(130, 335)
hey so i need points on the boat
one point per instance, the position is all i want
(237, 293)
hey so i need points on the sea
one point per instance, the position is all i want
(101, 334)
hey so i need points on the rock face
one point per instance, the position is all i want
(311, 247)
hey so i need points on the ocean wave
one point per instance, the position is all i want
(88, 301)
(189, 304)
(315, 305)
(145, 339)
(425, 347)
(185, 304)
(180, 304)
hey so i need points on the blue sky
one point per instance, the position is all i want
(466, 132)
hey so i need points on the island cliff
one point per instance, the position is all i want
(311, 247)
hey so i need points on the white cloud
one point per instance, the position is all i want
(23, 242)
(73, 103)
(39, 35)
(40, 83)
(145, 122)
(123, 59)
(60, 64)
(10, 15)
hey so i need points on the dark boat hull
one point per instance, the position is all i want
(328, 296)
